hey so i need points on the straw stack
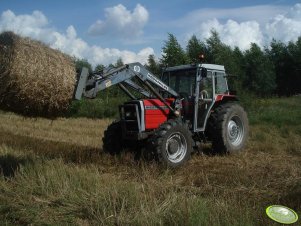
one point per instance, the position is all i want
(35, 80)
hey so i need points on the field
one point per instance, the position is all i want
(55, 173)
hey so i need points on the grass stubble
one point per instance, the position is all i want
(55, 173)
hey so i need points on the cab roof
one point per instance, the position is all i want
(194, 66)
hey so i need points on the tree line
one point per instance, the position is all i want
(274, 70)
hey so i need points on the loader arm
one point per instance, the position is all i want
(124, 76)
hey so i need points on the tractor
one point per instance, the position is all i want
(170, 115)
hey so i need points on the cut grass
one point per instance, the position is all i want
(55, 173)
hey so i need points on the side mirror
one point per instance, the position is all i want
(204, 73)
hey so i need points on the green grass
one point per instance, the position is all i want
(96, 108)
(55, 173)
(274, 111)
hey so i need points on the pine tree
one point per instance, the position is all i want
(99, 68)
(260, 71)
(80, 63)
(173, 53)
(119, 62)
(152, 65)
(194, 48)
(294, 50)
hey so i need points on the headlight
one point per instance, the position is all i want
(130, 114)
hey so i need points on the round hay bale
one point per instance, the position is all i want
(35, 80)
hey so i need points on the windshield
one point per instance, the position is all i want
(182, 81)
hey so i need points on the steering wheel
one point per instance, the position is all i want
(204, 94)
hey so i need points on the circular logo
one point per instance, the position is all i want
(137, 68)
(282, 214)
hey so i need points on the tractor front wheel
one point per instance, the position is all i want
(173, 143)
(112, 139)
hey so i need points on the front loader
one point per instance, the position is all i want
(189, 104)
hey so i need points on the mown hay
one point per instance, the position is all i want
(35, 80)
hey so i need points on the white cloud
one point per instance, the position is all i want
(34, 25)
(262, 14)
(23, 22)
(37, 26)
(121, 22)
(285, 27)
(234, 33)
(257, 24)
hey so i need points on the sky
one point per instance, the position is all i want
(103, 31)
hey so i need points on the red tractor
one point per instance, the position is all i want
(189, 104)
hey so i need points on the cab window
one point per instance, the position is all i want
(182, 81)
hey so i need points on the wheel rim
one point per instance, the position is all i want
(235, 131)
(176, 147)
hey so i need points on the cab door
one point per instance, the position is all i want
(205, 96)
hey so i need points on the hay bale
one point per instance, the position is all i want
(35, 80)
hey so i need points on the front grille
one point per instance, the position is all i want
(130, 116)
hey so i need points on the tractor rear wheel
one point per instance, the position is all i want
(173, 143)
(112, 139)
(229, 128)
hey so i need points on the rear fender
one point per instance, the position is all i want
(225, 98)
(222, 99)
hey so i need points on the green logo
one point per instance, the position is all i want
(282, 214)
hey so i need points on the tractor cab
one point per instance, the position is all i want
(199, 86)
